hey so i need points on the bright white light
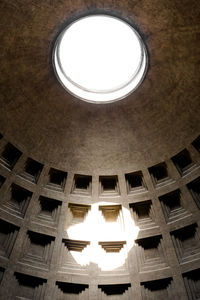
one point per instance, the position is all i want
(100, 58)
(95, 229)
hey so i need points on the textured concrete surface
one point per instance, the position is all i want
(151, 125)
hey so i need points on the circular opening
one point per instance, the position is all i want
(100, 58)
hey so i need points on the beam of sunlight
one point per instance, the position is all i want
(95, 229)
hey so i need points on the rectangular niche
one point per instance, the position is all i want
(115, 289)
(82, 185)
(159, 175)
(2, 180)
(196, 143)
(57, 180)
(108, 185)
(186, 242)
(79, 212)
(1, 136)
(158, 289)
(2, 270)
(37, 250)
(143, 214)
(183, 162)
(32, 170)
(110, 212)
(150, 253)
(67, 288)
(194, 188)
(172, 206)
(67, 261)
(49, 211)
(8, 235)
(29, 287)
(18, 202)
(10, 156)
(192, 284)
(135, 182)
(112, 247)
(75, 245)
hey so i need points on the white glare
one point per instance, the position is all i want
(95, 229)
(100, 58)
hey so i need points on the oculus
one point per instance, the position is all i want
(100, 58)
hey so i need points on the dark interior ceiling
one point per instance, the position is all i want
(158, 120)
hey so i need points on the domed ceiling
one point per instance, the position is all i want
(155, 122)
